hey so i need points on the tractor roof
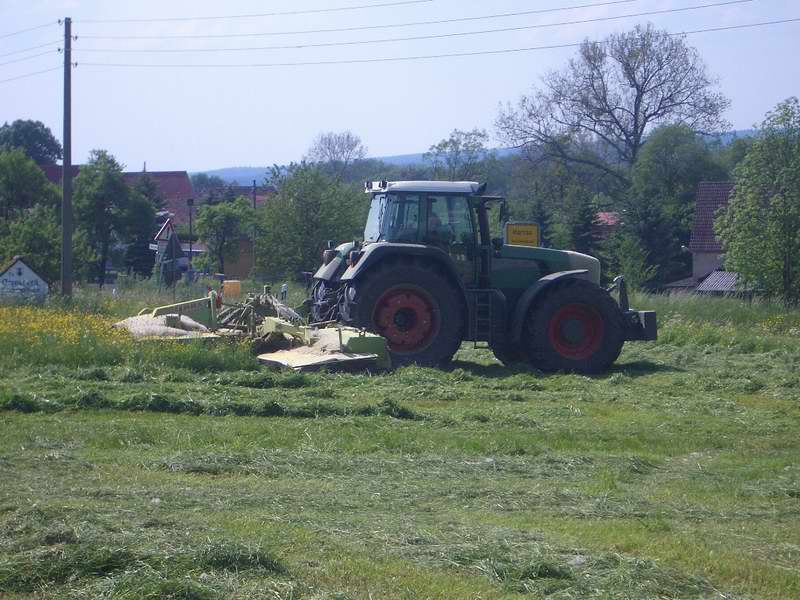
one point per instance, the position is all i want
(442, 187)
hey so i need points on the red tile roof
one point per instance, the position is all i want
(607, 219)
(53, 172)
(175, 187)
(711, 196)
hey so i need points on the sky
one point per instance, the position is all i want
(192, 116)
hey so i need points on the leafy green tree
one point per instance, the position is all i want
(626, 256)
(573, 224)
(147, 188)
(458, 157)
(140, 217)
(34, 138)
(222, 226)
(23, 185)
(660, 203)
(203, 184)
(760, 231)
(730, 155)
(309, 208)
(102, 201)
(36, 235)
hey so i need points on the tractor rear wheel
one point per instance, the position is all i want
(576, 327)
(413, 306)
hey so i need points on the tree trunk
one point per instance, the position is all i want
(103, 259)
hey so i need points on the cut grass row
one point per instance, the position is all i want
(673, 476)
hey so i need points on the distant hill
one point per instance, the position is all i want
(246, 175)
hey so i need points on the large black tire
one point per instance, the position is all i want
(414, 306)
(575, 327)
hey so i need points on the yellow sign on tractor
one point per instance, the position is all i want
(523, 234)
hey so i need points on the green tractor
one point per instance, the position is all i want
(429, 276)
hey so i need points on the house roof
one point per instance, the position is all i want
(175, 187)
(719, 282)
(711, 196)
(19, 259)
(607, 219)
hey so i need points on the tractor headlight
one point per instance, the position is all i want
(328, 256)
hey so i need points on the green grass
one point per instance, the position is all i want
(181, 473)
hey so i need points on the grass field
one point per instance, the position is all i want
(186, 471)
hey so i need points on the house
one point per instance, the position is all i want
(175, 188)
(605, 224)
(706, 249)
(708, 270)
(18, 280)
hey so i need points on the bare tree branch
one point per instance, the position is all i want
(598, 110)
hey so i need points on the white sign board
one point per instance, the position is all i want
(20, 281)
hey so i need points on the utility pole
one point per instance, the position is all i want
(254, 228)
(66, 175)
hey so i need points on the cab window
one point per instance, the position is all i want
(449, 221)
(402, 220)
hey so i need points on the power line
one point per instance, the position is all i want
(30, 74)
(255, 15)
(419, 57)
(24, 58)
(21, 31)
(31, 48)
(418, 37)
(360, 27)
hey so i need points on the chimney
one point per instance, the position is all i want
(144, 168)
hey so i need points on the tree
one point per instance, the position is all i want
(573, 224)
(147, 188)
(102, 202)
(36, 235)
(659, 205)
(309, 208)
(458, 157)
(204, 184)
(221, 226)
(337, 150)
(599, 109)
(760, 231)
(23, 185)
(140, 217)
(627, 257)
(32, 137)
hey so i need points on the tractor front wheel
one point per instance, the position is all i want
(576, 327)
(413, 306)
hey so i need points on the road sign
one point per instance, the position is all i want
(523, 234)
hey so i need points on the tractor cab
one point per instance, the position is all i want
(450, 216)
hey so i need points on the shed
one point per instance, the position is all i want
(18, 280)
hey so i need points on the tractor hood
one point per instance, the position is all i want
(555, 260)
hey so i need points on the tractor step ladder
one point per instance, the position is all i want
(484, 318)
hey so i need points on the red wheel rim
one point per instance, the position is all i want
(576, 331)
(406, 318)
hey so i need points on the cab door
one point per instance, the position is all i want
(451, 227)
